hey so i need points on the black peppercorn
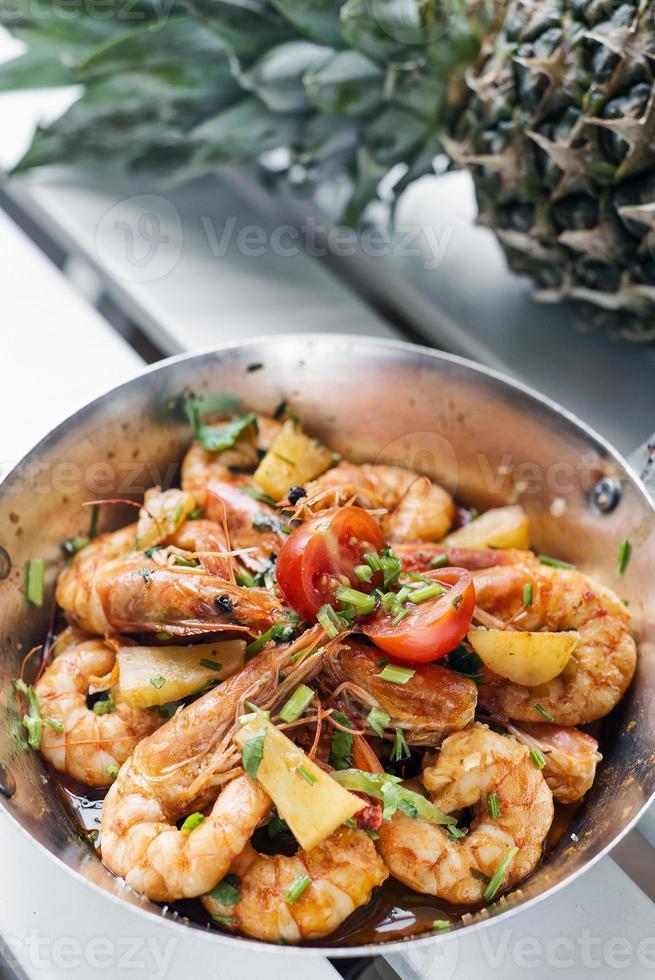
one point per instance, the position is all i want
(296, 494)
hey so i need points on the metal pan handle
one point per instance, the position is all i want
(642, 461)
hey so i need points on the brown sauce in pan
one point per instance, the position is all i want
(395, 912)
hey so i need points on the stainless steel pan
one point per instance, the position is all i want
(491, 440)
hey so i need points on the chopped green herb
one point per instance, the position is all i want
(373, 834)
(528, 594)
(192, 821)
(440, 561)
(210, 664)
(498, 876)
(224, 920)
(400, 748)
(147, 574)
(378, 719)
(361, 603)
(158, 681)
(254, 367)
(298, 888)
(537, 758)
(625, 551)
(455, 833)
(328, 619)
(34, 575)
(196, 514)
(112, 771)
(280, 632)
(275, 826)
(341, 747)
(71, 546)
(554, 562)
(466, 662)
(52, 723)
(385, 787)
(186, 562)
(168, 709)
(163, 635)
(429, 592)
(363, 573)
(395, 674)
(227, 891)
(104, 707)
(308, 776)
(443, 925)
(297, 703)
(542, 711)
(216, 438)
(381, 661)
(245, 579)
(32, 720)
(493, 806)
(253, 752)
(93, 521)
(259, 495)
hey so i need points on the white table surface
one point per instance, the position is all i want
(61, 352)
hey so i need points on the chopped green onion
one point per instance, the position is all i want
(227, 891)
(186, 562)
(361, 603)
(537, 758)
(308, 776)
(158, 682)
(259, 495)
(52, 723)
(398, 618)
(196, 514)
(378, 719)
(297, 703)
(440, 561)
(528, 594)
(466, 662)
(497, 878)
(383, 786)
(350, 822)
(245, 579)
(112, 771)
(224, 920)
(455, 833)
(554, 562)
(35, 572)
(177, 514)
(93, 522)
(395, 674)
(373, 834)
(363, 573)
(542, 711)
(625, 551)
(192, 821)
(429, 592)
(493, 806)
(443, 925)
(32, 720)
(275, 826)
(252, 752)
(400, 748)
(71, 546)
(381, 661)
(163, 635)
(168, 709)
(297, 889)
(330, 621)
(341, 747)
(210, 664)
(105, 707)
(281, 632)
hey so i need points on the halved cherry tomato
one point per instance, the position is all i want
(432, 628)
(322, 553)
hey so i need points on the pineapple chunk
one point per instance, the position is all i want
(501, 527)
(162, 513)
(529, 659)
(312, 803)
(292, 459)
(149, 676)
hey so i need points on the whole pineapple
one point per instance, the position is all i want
(548, 102)
(560, 138)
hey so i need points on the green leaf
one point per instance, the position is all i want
(253, 752)
(341, 747)
(347, 84)
(243, 132)
(277, 77)
(34, 69)
(245, 27)
(216, 438)
(316, 19)
(227, 891)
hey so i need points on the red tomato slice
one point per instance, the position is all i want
(322, 553)
(432, 628)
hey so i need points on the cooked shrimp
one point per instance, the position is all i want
(571, 758)
(422, 556)
(470, 766)
(200, 466)
(419, 509)
(343, 871)
(252, 524)
(88, 745)
(138, 593)
(180, 768)
(602, 664)
(433, 703)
